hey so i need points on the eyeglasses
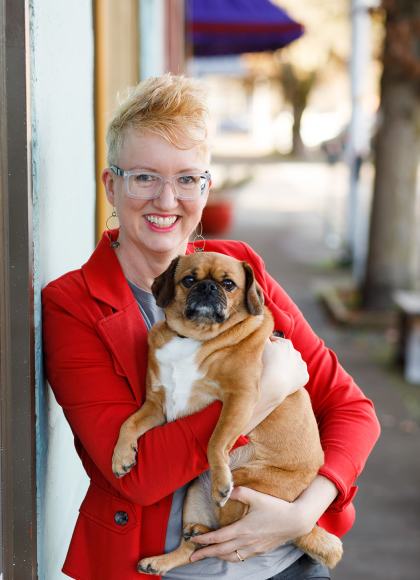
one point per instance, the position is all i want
(148, 185)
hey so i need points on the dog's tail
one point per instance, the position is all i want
(321, 546)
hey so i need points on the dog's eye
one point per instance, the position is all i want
(188, 281)
(228, 284)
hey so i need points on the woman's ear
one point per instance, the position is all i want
(108, 181)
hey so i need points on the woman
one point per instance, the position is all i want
(95, 337)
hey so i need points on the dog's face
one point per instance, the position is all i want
(206, 293)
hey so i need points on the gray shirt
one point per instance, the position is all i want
(257, 568)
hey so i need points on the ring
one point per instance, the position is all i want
(239, 557)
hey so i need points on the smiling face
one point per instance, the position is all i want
(161, 225)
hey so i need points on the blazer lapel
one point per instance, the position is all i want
(126, 336)
(119, 321)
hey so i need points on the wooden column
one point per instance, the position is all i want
(116, 70)
(175, 36)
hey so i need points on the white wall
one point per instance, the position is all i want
(61, 98)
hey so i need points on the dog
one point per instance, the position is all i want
(210, 348)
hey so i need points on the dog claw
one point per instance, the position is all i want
(121, 469)
(222, 495)
(127, 468)
(225, 492)
(192, 530)
(146, 570)
(188, 535)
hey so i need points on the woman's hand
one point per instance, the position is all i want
(269, 523)
(284, 372)
(283, 367)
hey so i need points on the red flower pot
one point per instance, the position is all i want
(217, 217)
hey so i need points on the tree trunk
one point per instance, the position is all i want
(392, 253)
(297, 86)
(298, 147)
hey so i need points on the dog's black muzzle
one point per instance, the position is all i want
(206, 301)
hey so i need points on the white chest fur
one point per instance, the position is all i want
(178, 373)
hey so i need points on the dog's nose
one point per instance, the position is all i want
(207, 287)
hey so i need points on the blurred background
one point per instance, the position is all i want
(315, 130)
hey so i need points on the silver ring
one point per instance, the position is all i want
(239, 557)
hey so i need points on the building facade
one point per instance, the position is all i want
(63, 67)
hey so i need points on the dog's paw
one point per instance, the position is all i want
(149, 566)
(222, 487)
(322, 546)
(192, 530)
(123, 459)
(155, 566)
(332, 553)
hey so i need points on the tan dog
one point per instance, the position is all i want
(210, 348)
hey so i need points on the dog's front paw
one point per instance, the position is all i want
(222, 487)
(191, 530)
(124, 458)
(155, 566)
(149, 566)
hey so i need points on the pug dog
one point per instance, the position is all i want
(210, 348)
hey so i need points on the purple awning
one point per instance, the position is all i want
(221, 27)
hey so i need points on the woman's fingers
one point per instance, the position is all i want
(279, 353)
(218, 536)
(239, 555)
(222, 543)
(223, 551)
(243, 494)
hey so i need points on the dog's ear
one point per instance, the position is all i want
(254, 298)
(163, 287)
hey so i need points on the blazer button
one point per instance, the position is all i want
(121, 518)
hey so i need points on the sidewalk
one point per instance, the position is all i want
(285, 214)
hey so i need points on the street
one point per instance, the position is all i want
(293, 214)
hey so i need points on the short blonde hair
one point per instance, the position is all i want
(173, 107)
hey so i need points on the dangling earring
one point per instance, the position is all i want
(198, 237)
(114, 243)
(111, 217)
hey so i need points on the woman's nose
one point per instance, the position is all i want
(167, 198)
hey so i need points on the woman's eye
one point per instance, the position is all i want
(187, 179)
(188, 281)
(228, 285)
(145, 178)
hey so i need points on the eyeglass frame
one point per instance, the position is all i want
(127, 174)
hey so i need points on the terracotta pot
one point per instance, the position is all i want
(217, 217)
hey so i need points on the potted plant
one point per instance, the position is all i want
(218, 214)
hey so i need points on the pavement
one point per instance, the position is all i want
(293, 214)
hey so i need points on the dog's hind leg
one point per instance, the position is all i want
(321, 546)
(231, 512)
(198, 518)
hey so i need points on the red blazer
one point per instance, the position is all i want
(95, 345)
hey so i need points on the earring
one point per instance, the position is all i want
(198, 237)
(111, 217)
(114, 243)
